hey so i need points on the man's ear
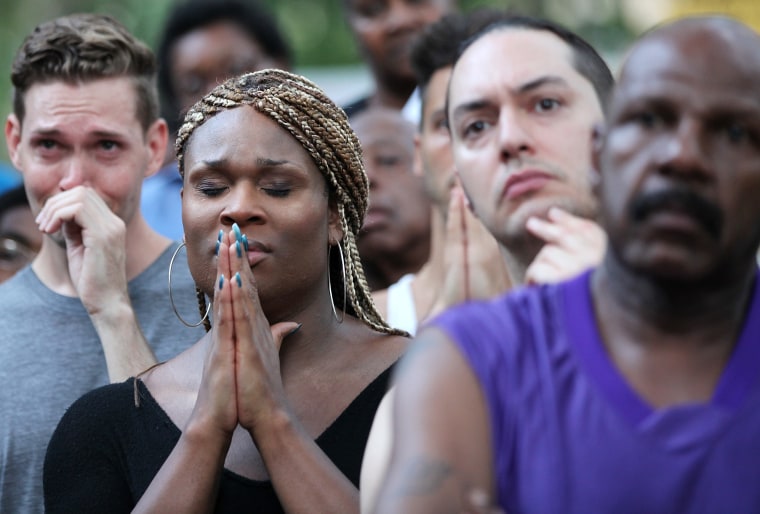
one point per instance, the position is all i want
(156, 139)
(13, 139)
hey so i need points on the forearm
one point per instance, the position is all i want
(423, 484)
(126, 351)
(441, 437)
(193, 468)
(305, 479)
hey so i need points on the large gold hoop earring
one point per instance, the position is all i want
(329, 283)
(171, 298)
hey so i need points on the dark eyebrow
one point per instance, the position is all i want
(105, 134)
(470, 106)
(46, 132)
(213, 164)
(541, 81)
(102, 134)
(263, 161)
(220, 164)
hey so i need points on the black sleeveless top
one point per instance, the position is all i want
(105, 452)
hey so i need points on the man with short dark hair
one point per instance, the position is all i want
(524, 96)
(84, 133)
(633, 386)
(465, 261)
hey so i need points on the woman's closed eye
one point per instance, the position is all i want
(210, 188)
(277, 189)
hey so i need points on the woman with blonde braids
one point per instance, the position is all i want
(270, 411)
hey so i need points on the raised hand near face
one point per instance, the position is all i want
(95, 244)
(475, 268)
(241, 378)
(573, 244)
(260, 394)
(215, 409)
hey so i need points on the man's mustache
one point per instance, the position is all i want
(705, 213)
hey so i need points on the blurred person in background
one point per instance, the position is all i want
(20, 239)
(385, 31)
(395, 239)
(204, 42)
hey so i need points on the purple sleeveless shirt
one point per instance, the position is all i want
(571, 436)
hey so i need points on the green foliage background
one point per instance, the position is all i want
(316, 28)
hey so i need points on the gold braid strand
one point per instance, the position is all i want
(202, 307)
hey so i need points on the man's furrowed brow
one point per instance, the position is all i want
(466, 107)
(540, 82)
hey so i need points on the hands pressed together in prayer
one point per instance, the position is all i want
(475, 268)
(241, 382)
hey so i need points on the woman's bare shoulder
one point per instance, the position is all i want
(174, 384)
(377, 348)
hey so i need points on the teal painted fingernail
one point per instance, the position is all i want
(239, 249)
(236, 229)
(238, 280)
(221, 282)
(245, 242)
(295, 329)
(218, 243)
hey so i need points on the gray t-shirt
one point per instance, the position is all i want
(50, 355)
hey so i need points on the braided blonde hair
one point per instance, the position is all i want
(322, 128)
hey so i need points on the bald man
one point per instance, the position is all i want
(395, 238)
(634, 387)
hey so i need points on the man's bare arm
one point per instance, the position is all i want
(441, 437)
